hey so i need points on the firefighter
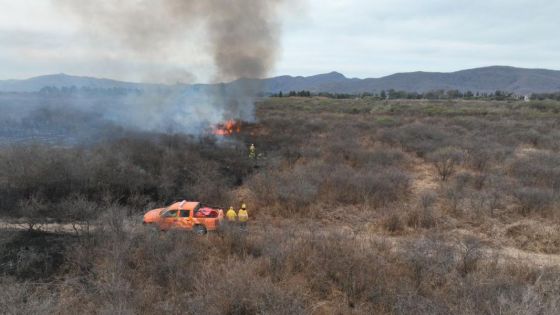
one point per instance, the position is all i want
(231, 215)
(243, 216)
(252, 152)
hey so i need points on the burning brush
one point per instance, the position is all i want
(228, 128)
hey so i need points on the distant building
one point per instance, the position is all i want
(526, 98)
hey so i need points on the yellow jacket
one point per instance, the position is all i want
(231, 215)
(252, 152)
(243, 215)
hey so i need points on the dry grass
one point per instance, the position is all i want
(349, 215)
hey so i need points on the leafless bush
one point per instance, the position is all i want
(431, 262)
(538, 169)
(80, 212)
(26, 298)
(158, 168)
(423, 215)
(446, 160)
(427, 199)
(34, 211)
(534, 199)
(479, 158)
(418, 137)
(379, 187)
(516, 289)
(359, 275)
(482, 203)
(386, 157)
(424, 218)
(414, 303)
(454, 197)
(428, 219)
(236, 289)
(471, 253)
(413, 219)
(296, 191)
(358, 156)
(531, 136)
(393, 223)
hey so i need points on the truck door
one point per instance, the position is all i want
(168, 219)
(185, 221)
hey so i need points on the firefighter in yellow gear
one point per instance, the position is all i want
(231, 215)
(252, 152)
(243, 217)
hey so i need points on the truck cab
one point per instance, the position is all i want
(185, 215)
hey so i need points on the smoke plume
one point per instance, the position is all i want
(241, 38)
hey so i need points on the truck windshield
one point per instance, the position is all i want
(170, 214)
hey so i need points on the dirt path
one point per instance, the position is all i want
(364, 240)
(46, 227)
(423, 176)
(540, 260)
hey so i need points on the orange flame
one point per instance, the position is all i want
(228, 128)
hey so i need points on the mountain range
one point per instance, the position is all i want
(488, 79)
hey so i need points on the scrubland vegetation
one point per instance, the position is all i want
(357, 207)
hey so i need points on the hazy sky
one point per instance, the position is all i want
(360, 38)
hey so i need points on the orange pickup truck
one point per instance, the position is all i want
(185, 215)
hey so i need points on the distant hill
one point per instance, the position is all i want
(488, 79)
(63, 80)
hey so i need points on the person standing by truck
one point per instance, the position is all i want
(243, 216)
(231, 215)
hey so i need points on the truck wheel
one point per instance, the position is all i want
(199, 229)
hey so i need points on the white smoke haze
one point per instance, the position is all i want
(241, 37)
(83, 118)
(168, 75)
(177, 111)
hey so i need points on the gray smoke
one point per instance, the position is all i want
(240, 36)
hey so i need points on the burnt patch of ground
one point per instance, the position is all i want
(33, 255)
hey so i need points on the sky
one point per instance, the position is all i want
(359, 38)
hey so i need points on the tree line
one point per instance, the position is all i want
(430, 95)
(545, 96)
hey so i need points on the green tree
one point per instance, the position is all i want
(383, 94)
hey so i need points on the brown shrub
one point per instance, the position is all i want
(159, 168)
(418, 137)
(538, 169)
(393, 223)
(446, 161)
(534, 199)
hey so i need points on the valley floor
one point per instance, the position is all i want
(357, 207)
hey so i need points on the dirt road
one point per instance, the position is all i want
(361, 239)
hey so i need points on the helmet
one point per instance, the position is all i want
(230, 208)
(243, 206)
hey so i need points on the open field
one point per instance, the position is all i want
(357, 207)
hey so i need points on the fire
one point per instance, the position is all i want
(227, 128)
